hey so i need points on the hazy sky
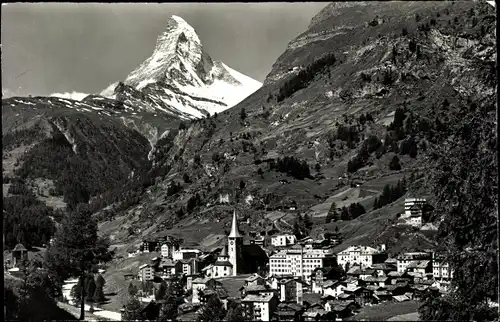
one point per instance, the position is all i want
(66, 47)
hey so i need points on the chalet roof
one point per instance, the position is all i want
(223, 263)
(367, 271)
(257, 298)
(293, 279)
(256, 288)
(143, 266)
(206, 268)
(376, 279)
(286, 312)
(219, 291)
(391, 288)
(353, 269)
(391, 261)
(419, 264)
(395, 274)
(200, 280)
(379, 266)
(312, 298)
(344, 296)
(294, 306)
(330, 283)
(420, 287)
(339, 306)
(223, 252)
(381, 293)
(352, 289)
(167, 262)
(415, 274)
(19, 248)
(314, 313)
(253, 277)
(401, 298)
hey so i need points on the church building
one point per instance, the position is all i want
(235, 247)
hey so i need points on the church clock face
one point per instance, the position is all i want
(232, 242)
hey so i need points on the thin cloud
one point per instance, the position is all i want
(77, 96)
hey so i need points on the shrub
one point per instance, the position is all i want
(394, 164)
(292, 167)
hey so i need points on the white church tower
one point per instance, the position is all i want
(235, 242)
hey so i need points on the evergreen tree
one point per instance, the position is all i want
(76, 248)
(344, 214)
(99, 295)
(212, 311)
(132, 289)
(90, 288)
(161, 291)
(333, 213)
(132, 310)
(413, 149)
(394, 164)
(235, 313)
(37, 294)
(170, 305)
(464, 176)
(243, 114)
(308, 223)
(100, 281)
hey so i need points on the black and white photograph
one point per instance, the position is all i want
(258, 161)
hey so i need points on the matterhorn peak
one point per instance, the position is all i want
(183, 77)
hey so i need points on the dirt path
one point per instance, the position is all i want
(406, 317)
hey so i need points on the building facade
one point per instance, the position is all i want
(300, 262)
(146, 273)
(283, 240)
(411, 203)
(405, 259)
(180, 254)
(259, 307)
(222, 267)
(361, 255)
(441, 270)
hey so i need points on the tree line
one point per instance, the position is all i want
(345, 213)
(304, 77)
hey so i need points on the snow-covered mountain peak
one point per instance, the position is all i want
(181, 78)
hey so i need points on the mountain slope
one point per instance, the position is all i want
(181, 79)
(329, 101)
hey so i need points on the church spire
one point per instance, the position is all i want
(235, 233)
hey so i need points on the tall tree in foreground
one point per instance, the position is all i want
(76, 248)
(464, 180)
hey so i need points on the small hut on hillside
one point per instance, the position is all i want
(19, 254)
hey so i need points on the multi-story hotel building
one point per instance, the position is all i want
(362, 255)
(411, 203)
(298, 261)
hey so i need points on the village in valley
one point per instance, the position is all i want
(286, 279)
